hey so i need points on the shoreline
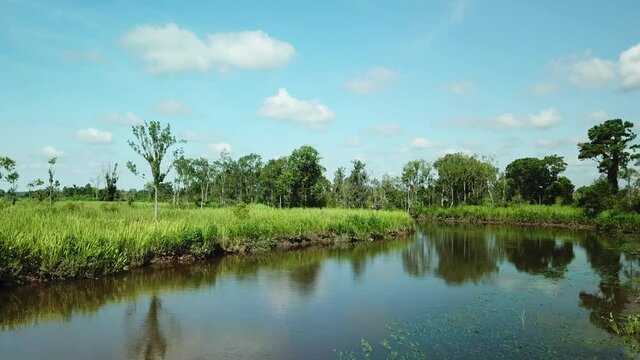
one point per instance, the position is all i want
(540, 224)
(281, 244)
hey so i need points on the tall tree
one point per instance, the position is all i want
(9, 173)
(609, 146)
(306, 177)
(111, 180)
(532, 178)
(53, 183)
(415, 175)
(357, 184)
(340, 187)
(152, 141)
(275, 182)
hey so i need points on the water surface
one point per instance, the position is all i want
(445, 292)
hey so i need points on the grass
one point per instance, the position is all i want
(520, 214)
(90, 239)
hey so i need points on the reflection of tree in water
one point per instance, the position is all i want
(305, 278)
(466, 256)
(417, 259)
(618, 289)
(538, 256)
(150, 341)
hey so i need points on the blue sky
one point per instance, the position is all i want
(385, 82)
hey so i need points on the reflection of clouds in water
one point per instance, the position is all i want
(245, 343)
(538, 285)
(281, 289)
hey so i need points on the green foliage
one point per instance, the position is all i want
(88, 239)
(596, 198)
(609, 145)
(464, 179)
(525, 214)
(536, 180)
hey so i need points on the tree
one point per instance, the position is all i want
(275, 182)
(152, 141)
(306, 179)
(609, 146)
(415, 176)
(110, 179)
(9, 173)
(35, 183)
(53, 184)
(532, 178)
(339, 188)
(357, 184)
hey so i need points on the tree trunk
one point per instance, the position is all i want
(155, 203)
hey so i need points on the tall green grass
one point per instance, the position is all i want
(90, 239)
(521, 214)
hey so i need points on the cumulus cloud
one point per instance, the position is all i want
(94, 136)
(172, 107)
(419, 143)
(597, 116)
(389, 129)
(372, 81)
(545, 118)
(220, 147)
(462, 87)
(50, 151)
(587, 71)
(629, 66)
(127, 118)
(284, 107)
(169, 48)
(541, 89)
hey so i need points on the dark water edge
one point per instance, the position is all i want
(448, 292)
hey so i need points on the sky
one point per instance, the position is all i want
(380, 81)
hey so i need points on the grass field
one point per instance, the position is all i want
(526, 214)
(90, 239)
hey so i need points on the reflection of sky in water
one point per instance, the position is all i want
(460, 286)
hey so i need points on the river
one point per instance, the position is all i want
(444, 292)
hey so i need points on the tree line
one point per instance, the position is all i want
(298, 180)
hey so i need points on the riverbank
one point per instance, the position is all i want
(609, 221)
(77, 239)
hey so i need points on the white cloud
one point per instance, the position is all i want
(389, 129)
(127, 118)
(283, 106)
(597, 116)
(509, 121)
(170, 48)
(94, 136)
(86, 55)
(419, 143)
(220, 147)
(50, 151)
(462, 87)
(629, 67)
(592, 73)
(586, 71)
(172, 107)
(545, 118)
(541, 89)
(372, 81)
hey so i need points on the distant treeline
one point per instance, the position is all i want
(299, 179)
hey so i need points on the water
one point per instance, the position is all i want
(445, 292)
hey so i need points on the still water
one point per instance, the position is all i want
(444, 292)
